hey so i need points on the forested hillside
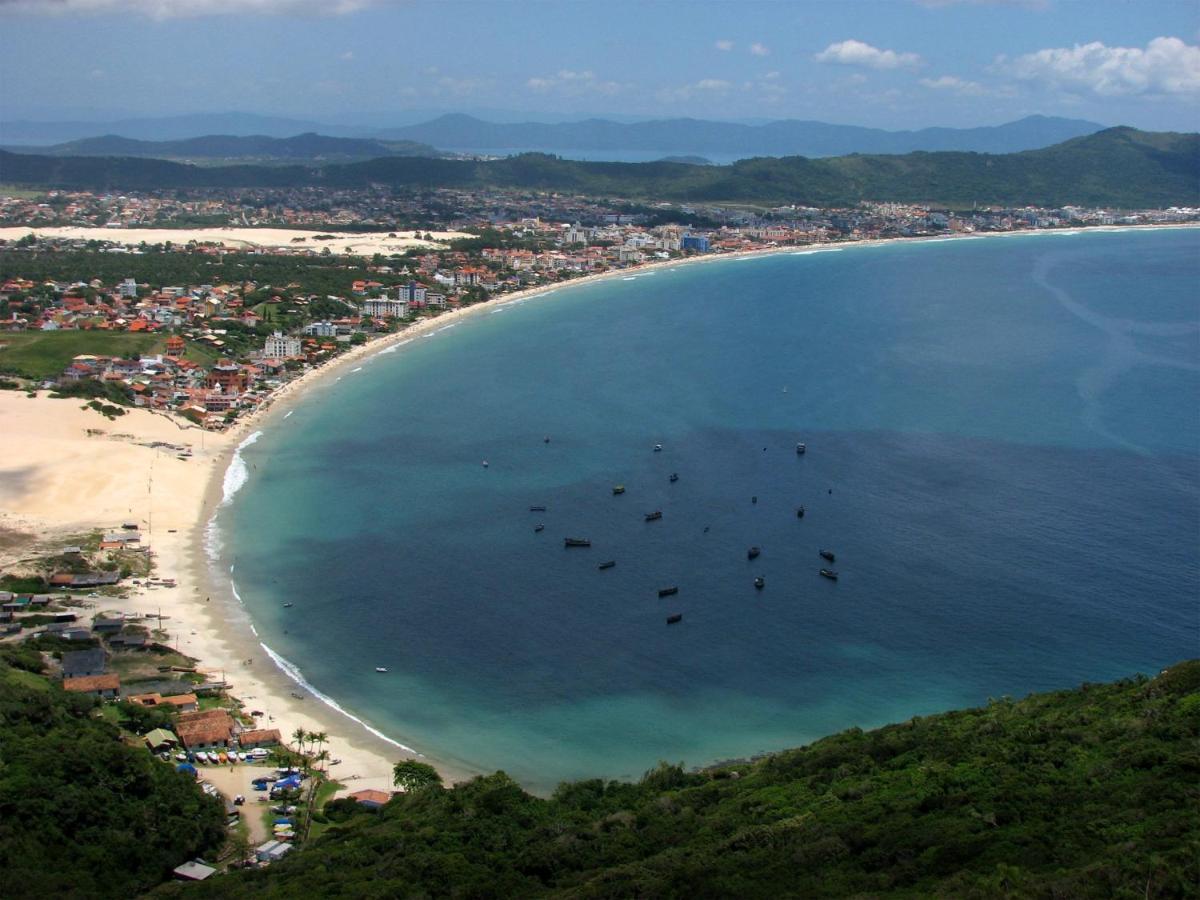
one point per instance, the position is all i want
(1084, 793)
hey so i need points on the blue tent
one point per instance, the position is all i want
(186, 767)
(292, 781)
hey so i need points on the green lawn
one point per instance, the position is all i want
(44, 354)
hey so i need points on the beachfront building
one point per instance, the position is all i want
(206, 730)
(413, 292)
(320, 329)
(379, 307)
(281, 346)
(370, 798)
(262, 737)
(83, 663)
(107, 687)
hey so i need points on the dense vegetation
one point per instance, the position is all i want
(1084, 793)
(81, 813)
(1117, 167)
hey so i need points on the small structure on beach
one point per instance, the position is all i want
(261, 737)
(370, 798)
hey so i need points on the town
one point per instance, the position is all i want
(214, 350)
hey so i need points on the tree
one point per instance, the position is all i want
(414, 776)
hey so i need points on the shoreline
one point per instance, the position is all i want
(222, 634)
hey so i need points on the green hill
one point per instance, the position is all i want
(1119, 167)
(1076, 794)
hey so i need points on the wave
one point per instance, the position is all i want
(359, 369)
(288, 413)
(237, 474)
(822, 250)
(293, 672)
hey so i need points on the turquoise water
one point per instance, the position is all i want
(1003, 449)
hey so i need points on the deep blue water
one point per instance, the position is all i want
(1010, 429)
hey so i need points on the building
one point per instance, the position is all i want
(379, 307)
(413, 292)
(183, 703)
(282, 346)
(207, 730)
(271, 851)
(320, 329)
(696, 242)
(105, 686)
(196, 870)
(128, 288)
(371, 799)
(161, 739)
(262, 737)
(83, 663)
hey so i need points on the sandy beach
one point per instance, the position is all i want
(369, 242)
(66, 470)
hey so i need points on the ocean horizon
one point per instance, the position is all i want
(1003, 451)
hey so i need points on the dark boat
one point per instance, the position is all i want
(576, 542)
(830, 574)
(759, 582)
(678, 617)
(668, 591)
(799, 512)
(674, 477)
(800, 448)
(619, 489)
(654, 516)
(752, 553)
(754, 499)
(827, 554)
(658, 448)
(607, 565)
(537, 509)
(539, 527)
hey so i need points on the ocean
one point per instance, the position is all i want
(1003, 452)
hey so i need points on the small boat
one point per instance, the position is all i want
(242, 757)
(827, 554)
(539, 527)
(799, 512)
(654, 516)
(201, 756)
(754, 499)
(288, 605)
(485, 463)
(381, 669)
(619, 489)
(537, 509)
(830, 574)
(759, 582)
(753, 552)
(678, 617)
(546, 439)
(800, 448)
(674, 477)
(222, 758)
(668, 591)
(576, 542)
(658, 448)
(607, 565)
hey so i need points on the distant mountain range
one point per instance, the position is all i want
(1119, 167)
(788, 137)
(307, 147)
(669, 137)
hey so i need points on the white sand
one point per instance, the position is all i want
(247, 238)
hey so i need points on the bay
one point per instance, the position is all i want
(1003, 450)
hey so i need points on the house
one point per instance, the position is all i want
(161, 739)
(196, 870)
(370, 798)
(263, 737)
(205, 730)
(128, 642)
(183, 703)
(106, 686)
(84, 663)
(102, 625)
(281, 346)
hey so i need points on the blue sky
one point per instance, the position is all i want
(890, 64)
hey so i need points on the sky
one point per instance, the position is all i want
(881, 63)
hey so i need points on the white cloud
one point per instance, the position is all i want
(574, 84)
(461, 87)
(705, 87)
(759, 50)
(348, 55)
(180, 9)
(954, 85)
(857, 53)
(1165, 66)
(724, 45)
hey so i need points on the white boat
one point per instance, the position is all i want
(381, 668)
(201, 756)
(242, 757)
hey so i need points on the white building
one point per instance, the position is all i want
(411, 292)
(377, 307)
(281, 346)
(319, 329)
(128, 288)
